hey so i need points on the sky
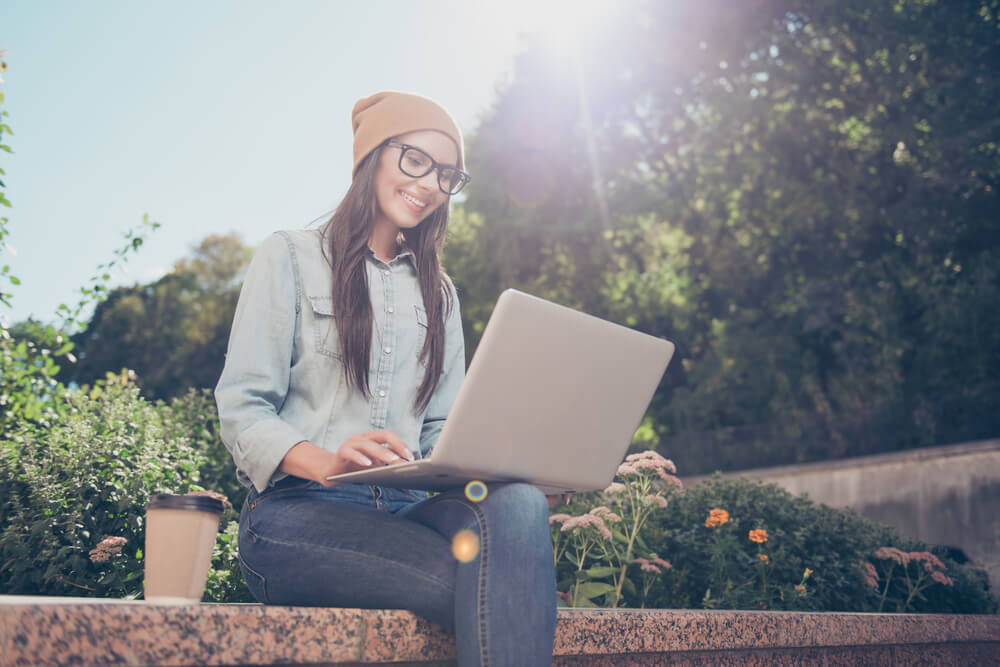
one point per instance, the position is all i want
(211, 116)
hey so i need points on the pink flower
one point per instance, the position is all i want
(107, 548)
(558, 518)
(671, 480)
(892, 553)
(627, 469)
(654, 458)
(871, 575)
(654, 499)
(615, 487)
(665, 564)
(930, 561)
(942, 578)
(587, 521)
(605, 513)
(652, 565)
(563, 596)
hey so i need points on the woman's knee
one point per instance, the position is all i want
(518, 502)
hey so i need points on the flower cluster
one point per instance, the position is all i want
(107, 548)
(634, 464)
(654, 499)
(893, 554)
(653, 565)
(759, 536)
(716, 518)
(595, 519)
(929, 570)
(931, 563)
(871, 575)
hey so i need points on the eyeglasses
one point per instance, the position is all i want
(415, 163)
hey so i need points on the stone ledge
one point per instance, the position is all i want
(38, 630)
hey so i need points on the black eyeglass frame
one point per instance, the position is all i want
(463, 177)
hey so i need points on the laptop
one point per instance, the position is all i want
(552, 397)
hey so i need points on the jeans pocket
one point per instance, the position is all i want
(255, 581)
(284, 487)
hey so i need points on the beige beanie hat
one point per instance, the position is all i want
(388, 114)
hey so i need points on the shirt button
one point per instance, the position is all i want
(388, 350)
(386, 272)
(381, 393)
(389, 309)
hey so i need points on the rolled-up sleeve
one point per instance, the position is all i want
(254, 381)
(451, 379)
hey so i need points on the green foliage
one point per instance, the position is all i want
(68, 486)
(78, 466)
(736, 544)
(225, 581)
(720, 567)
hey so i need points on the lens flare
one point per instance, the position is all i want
(475, 491)
(465, 546)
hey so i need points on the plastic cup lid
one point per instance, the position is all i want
(166, 501)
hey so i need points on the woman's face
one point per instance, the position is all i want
(404, 201)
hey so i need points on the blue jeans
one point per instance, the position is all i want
(355, 545)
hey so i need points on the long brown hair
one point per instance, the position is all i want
(345, 244)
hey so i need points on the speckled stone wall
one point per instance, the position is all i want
(58, 631)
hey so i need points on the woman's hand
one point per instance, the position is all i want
(359, 452)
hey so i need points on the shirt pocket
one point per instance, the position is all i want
(421, 316)
(325, 334)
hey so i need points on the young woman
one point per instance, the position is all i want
(346, 352)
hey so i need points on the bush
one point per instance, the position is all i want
(68, 487)
(812, 556)
(739, 544)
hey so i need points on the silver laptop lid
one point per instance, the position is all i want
(552, 396)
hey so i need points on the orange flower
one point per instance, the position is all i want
(759, 536)
(716, 517)
(763, 558)
(801, 589)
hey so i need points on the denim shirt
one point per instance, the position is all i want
(283, 380)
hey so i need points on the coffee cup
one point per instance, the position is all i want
(180, 535)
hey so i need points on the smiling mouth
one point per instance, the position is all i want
(412, 200)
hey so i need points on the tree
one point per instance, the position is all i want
(800, 194)
(172, 332)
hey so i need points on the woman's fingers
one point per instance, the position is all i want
(368, 449)
(391, 441)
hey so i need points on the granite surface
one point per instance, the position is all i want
(36, 631)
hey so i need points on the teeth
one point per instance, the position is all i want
(413, 200)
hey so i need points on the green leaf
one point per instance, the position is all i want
(592, 589)
(599, 572)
